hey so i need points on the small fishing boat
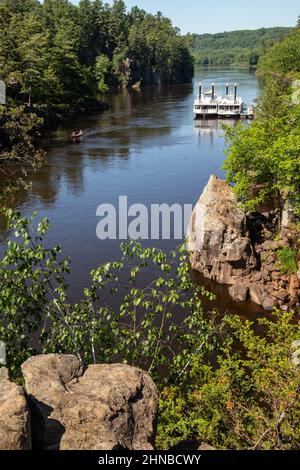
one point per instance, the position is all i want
(77, 135)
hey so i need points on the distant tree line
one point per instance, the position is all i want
(55, 52)
(234, 48)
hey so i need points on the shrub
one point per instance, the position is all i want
(220, 381)
(153, 324)
(287, 260)
(247, 397)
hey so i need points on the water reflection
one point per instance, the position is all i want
(209, 129)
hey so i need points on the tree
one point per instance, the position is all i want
(103, 72)
(266, 155)
(49, 50)
(234, 48)
(267, 152)
(33, 47)
(117, 26)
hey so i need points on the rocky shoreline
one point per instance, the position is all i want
(241, 249)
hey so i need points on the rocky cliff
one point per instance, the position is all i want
(232, 247)
(104, 407)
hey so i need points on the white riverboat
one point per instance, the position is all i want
(210, 104)
(206, 105)
(232, 105)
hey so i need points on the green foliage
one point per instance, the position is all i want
(18, 152)
(234, 48)
(142, 327)
(278, 69)
(220, 381)
(103, 72)
(244, 397)
(287, 260)
(159, 54)
(27, 273)
(265, 154)
(49, 51)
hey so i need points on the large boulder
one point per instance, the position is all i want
(239, 292)
(14, 416)
(257, 294)
(219, 244)
(105, 407)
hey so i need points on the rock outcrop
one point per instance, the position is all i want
(105, 407)
(14, 416)
(220, 246)
(239, 249)
(239, 292)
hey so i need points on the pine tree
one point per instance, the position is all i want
(33, 49)
(118, 26)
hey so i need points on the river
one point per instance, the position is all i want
(146, 147)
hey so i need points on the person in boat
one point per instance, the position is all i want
(76, 134)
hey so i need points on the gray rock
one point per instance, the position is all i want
(105, 407)
(266, 275)
(294, 287)
(271, 268)
(270, 245)
(239, 292)
(256, 294)
(275, 275)
(257, 277)
(288, 217)
(269, 303)
(217, 238)
(281, 295)
(14, 416)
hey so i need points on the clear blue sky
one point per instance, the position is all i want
(211, 16)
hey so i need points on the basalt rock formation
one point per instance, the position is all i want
(238, 249)
(105, 407)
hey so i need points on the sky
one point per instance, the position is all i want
(207, 16)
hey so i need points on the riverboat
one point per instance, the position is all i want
(211, 105)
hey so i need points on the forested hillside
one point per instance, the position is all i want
(55, 52)
(234, 48)
(267, 152)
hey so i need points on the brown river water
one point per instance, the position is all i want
(146, 147)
